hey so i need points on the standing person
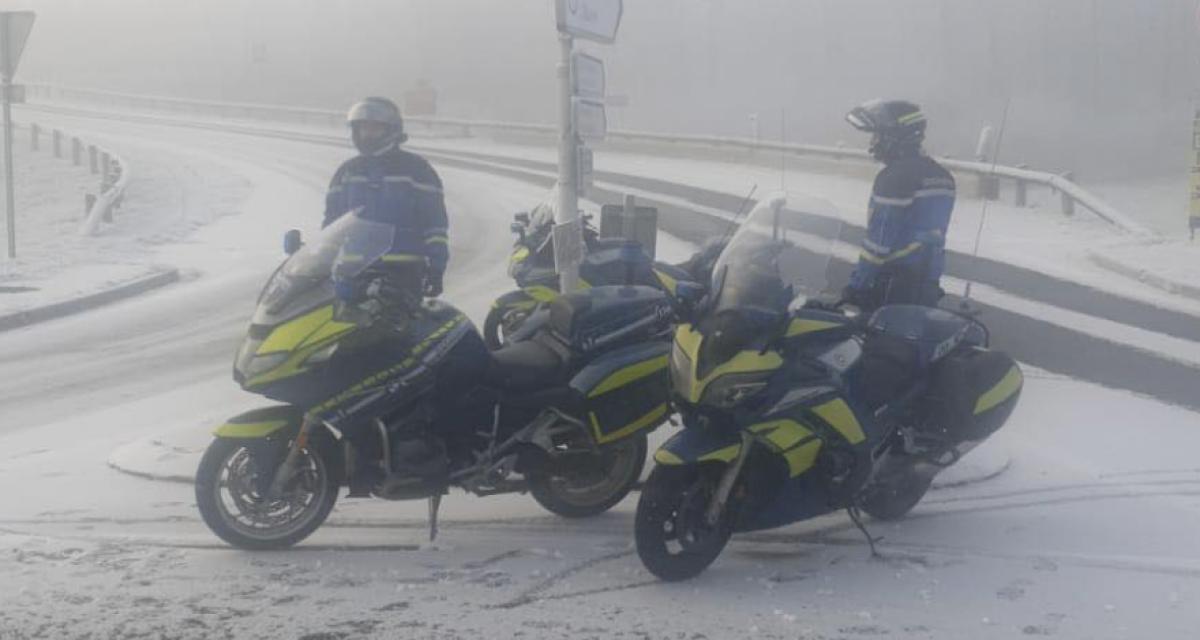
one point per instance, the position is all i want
(392, 186)
(903, 253)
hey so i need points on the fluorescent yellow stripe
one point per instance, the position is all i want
(437, 240)
(292, 334)
(541, 294)
(667, 281)
(519, 255)
(783, 434)
(838, 414)
(910, 118)
(801, 326)
(877, 259)
(402, 257)
(1008, 385)
(662, 456)
(650, 419)
(802, 458)
(728, 454)
(249, 429)
(630, 374)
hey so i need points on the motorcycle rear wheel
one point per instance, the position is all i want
(501, 323)
(231, 506)
(674, 540)
(594, 488)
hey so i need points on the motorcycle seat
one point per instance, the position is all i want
(525, 366)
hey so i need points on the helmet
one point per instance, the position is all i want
(381, 111)
(897, 127)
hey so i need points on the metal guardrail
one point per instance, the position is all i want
(1071, 193)
(112, 169)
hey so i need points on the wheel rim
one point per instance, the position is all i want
(685, 528)
(247, 512)
(510, 322)
(596, 484)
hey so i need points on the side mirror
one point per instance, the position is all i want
(292, 241)
(689, 294)
(517, 228)
(521, 217)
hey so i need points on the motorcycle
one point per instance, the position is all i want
(398, 398)
(793, 408)
(608, 261)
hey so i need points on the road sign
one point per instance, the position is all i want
(591, 121)
(589, 19)
(14, 31)
(587, 74)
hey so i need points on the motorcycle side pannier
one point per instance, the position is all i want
(972, 392)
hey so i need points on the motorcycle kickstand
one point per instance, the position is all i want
(435, 503)
(856, 518)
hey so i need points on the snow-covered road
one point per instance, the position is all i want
(1090, 533)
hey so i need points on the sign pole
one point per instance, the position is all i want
(568, 235)
(6, 86)
(10, 211)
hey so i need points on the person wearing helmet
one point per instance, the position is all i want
(903, 254)
(393, 186)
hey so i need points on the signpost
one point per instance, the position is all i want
(581, 84)
(14, 31)
(1194, 211)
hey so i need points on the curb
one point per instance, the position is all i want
(1145, 277)
(87, 302)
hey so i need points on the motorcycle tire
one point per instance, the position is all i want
(670, 514)
(494, 331)
(225, 481)
(584, 495)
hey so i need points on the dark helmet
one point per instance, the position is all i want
(382, 111)
(897, 127)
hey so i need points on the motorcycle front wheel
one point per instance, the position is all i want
(231, 504)
(674, 538)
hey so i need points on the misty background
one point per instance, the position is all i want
(1105, 88)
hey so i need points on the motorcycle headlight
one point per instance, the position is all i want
(729, 391)
(262, 364)
(323, 354)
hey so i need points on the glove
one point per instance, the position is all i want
(433, 285)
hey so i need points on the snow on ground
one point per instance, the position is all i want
(169, 196)
(1088, 535)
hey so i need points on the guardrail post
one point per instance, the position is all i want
(1068, 203)
(35, 133)
(56, 137)
(105, 170)
(76, 152)
(989, 186)
(93, 159)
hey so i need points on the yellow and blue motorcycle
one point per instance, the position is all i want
(398, 398)
(609, 261)
(793, 409)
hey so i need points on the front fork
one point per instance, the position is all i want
(720, 498)
(288, 468)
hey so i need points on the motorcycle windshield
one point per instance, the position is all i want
(779, 256)
(347, 246)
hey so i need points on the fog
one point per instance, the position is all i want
(1101, 87)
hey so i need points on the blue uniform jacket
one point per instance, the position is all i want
(909, 212)
(398, 188)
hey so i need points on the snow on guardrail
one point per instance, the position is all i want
(1072, 194)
